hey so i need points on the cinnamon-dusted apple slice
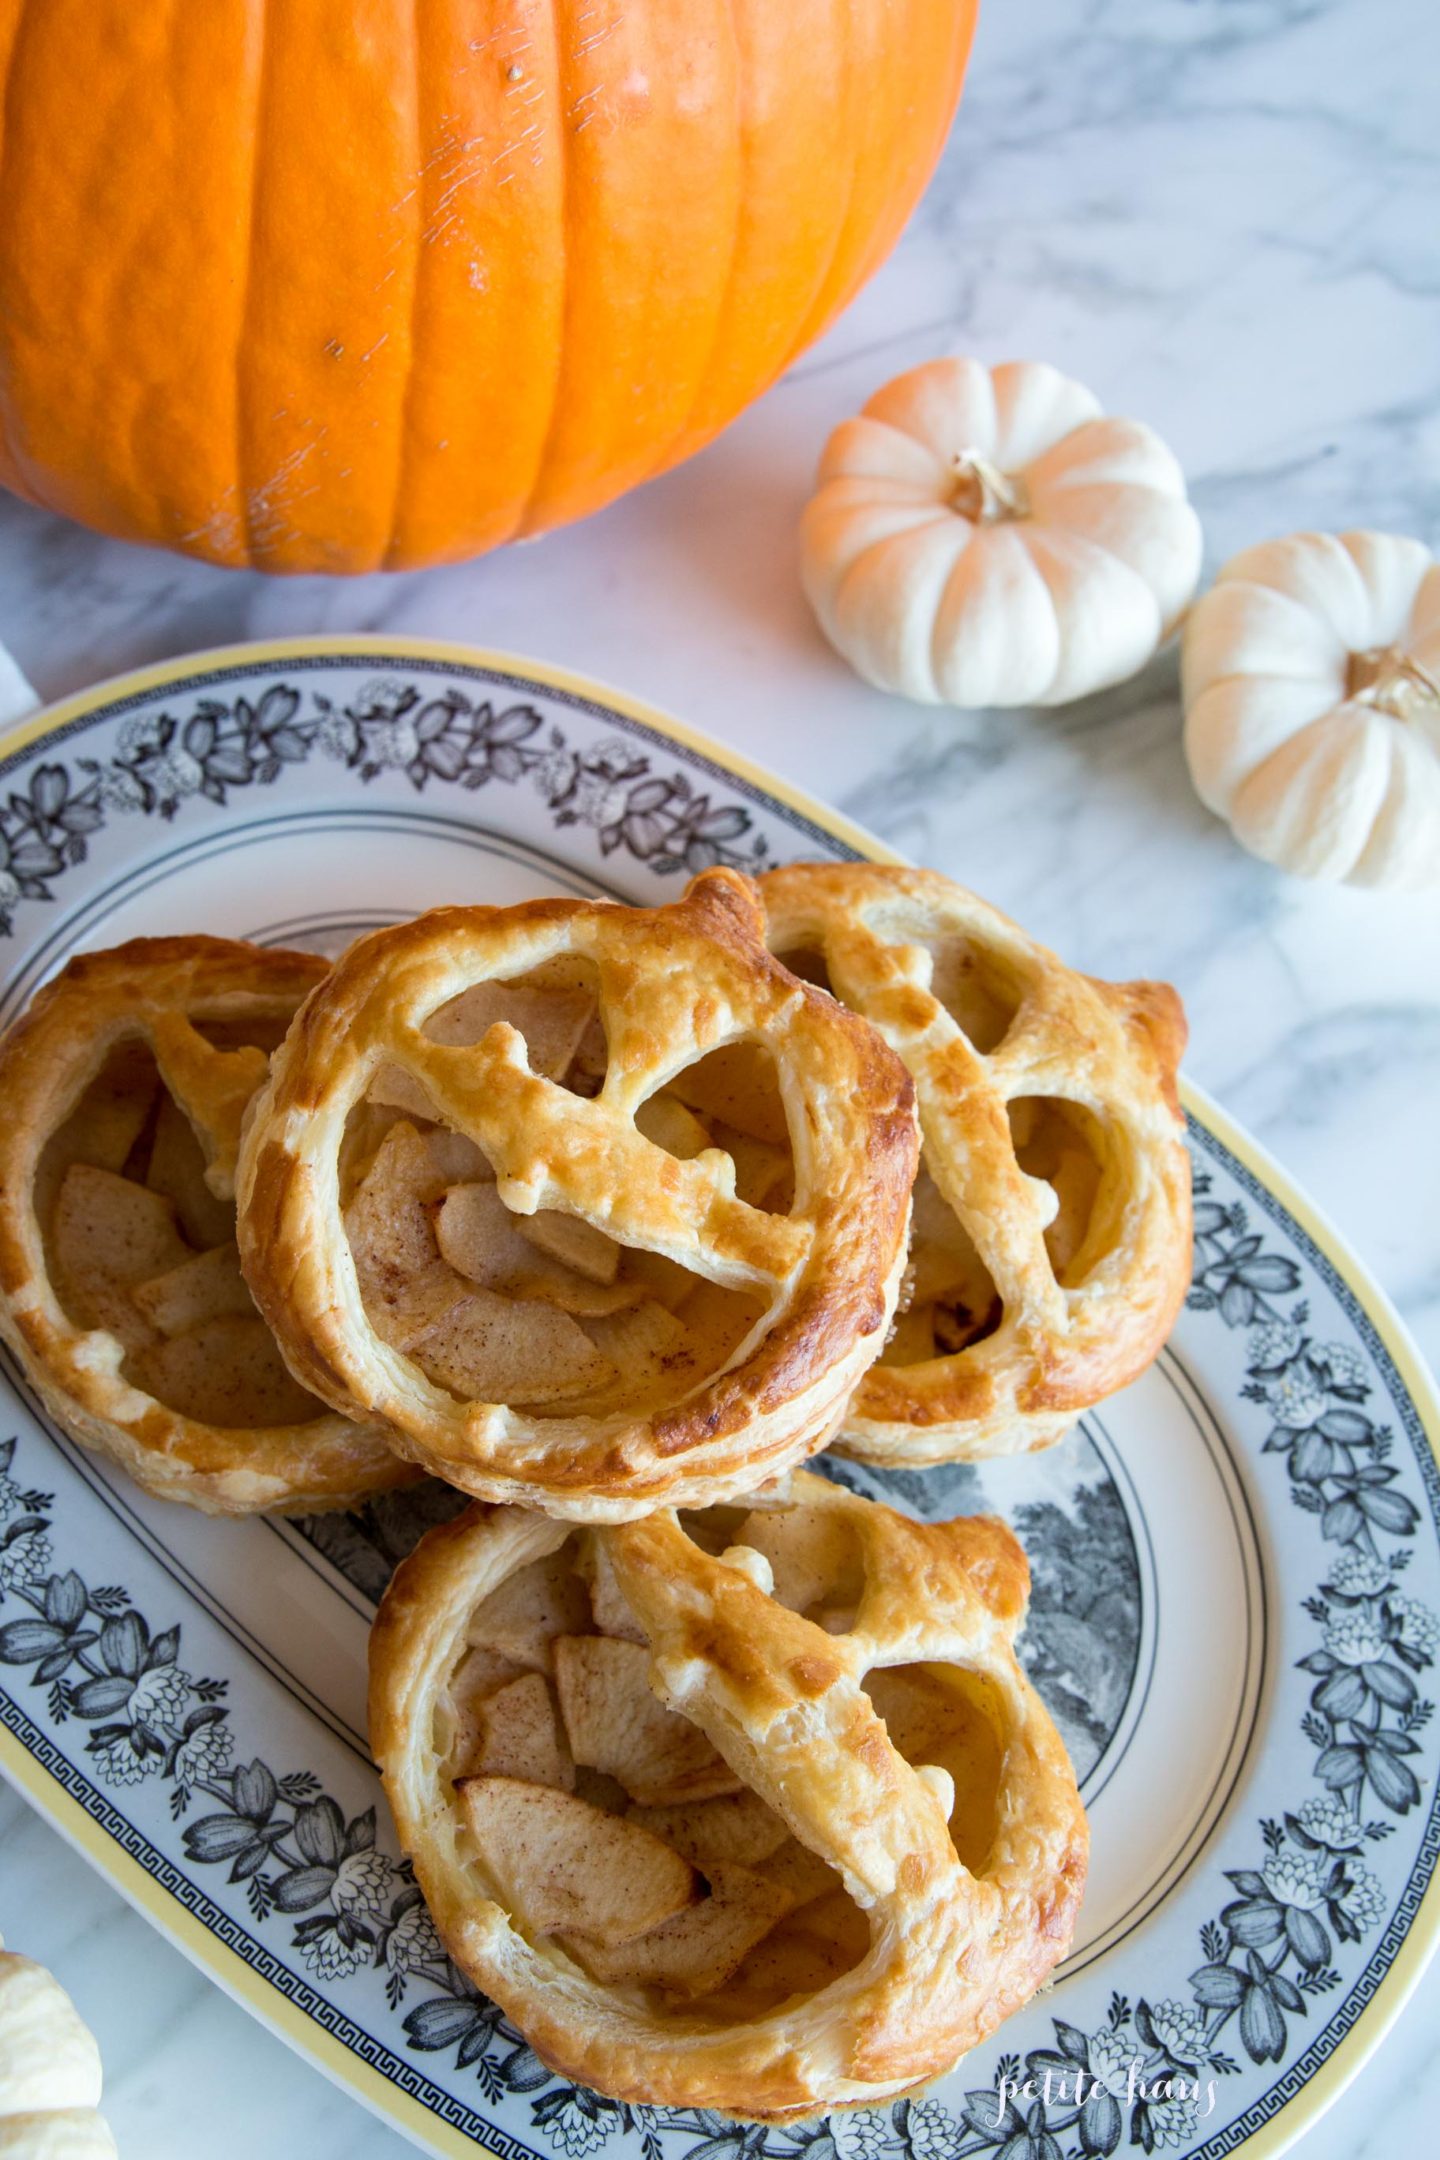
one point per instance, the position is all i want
(614, 1723)
(106, 1125)
(793, 1867)
(225, 1372)
(665, 1120)
(561, 1865)
(417, 1307)
(110, 1234)
(519, 1736)
(396, 1088)
(716, 1319)
(783, 1963)
(490, 1348)
(609, 1607)
(804, 1953)
(922, 1715)
(522, 1619)
(813, 1556)
(177, 1169)
(736, 1084)
(943, 1260)
(738, 1826)
(415, 1165)
(588, 1067)
(764, 1175)
(460, 1715)
(207, 1286)
(387, 1222)
(572, 1241)
(642, 1341)
(483, 1240)
(695, 1952)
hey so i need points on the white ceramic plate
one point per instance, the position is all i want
(1236, 1562)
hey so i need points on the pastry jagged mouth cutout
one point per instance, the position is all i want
(120, 1287)
(1050, 1244)
(596, 1207)
(751, 1810)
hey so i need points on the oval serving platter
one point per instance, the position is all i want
(1236, 1562)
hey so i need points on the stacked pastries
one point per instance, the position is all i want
(598, 1214)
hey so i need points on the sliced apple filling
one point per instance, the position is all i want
(568, 1869)
(547, 1312)
(947, 1718)
(948, 1299)
(139, 1245)
(608, 1824)
(1062, 1145)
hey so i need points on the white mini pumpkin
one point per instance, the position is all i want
(986, 537)
(49, 2071)
(1311, 674)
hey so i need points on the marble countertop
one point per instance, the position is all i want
(1222, 214)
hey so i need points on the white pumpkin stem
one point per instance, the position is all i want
(984, 494)
(1394, 683)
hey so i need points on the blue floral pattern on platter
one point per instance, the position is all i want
(1273, 1947)
(388, 725)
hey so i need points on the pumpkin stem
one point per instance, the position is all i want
(1392, 682)
(984, 494)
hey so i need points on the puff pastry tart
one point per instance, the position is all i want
(593, 1206)
(120, 1288)
(1050, 1245)
(758, 1815)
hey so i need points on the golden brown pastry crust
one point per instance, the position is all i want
(1111, 1049)
(951, 1952)
(150, 990)
(674, 983)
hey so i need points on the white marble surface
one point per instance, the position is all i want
(1223, 215)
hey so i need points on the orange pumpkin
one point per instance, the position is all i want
(357, 284)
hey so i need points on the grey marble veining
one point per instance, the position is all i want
(1225, 216)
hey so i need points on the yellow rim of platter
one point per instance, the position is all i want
(226, 1966)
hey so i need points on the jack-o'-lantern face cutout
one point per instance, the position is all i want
(596, 1207)
(752, 1809)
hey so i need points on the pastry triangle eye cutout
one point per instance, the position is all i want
(730, 1099)
(555, 1009)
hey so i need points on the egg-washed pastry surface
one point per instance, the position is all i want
(752, 1810)
(595, 1206)
(123, 1088)
(1050, 1245)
